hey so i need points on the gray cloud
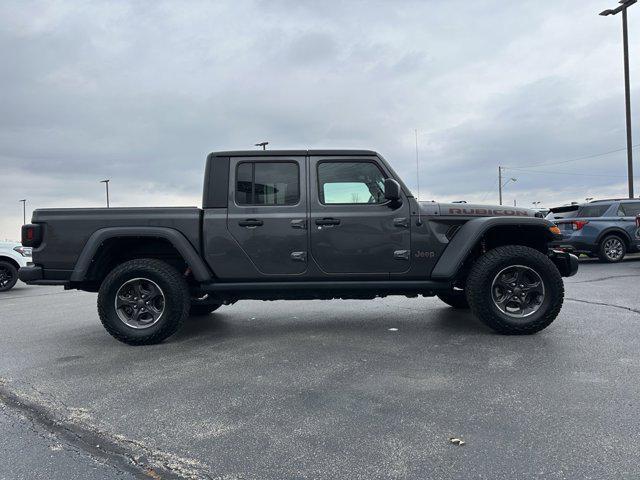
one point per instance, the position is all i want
(141, 91)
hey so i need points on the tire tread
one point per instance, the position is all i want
(177, 287)
(482, 305)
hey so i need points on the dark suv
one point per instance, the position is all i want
(603, 228)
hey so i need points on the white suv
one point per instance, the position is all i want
(12, 257)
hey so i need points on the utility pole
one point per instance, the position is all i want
(24, 210)
(106, 184)
(262, 144)
(500, 184)
(625, 4)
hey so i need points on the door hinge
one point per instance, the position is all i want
(401, 254)
(401, 222)
(299, 256)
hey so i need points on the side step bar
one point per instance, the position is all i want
(385, 285)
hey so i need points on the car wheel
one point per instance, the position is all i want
(515, 290)
(612, 249)
(143, 301)
(8, 276)
(454, 298)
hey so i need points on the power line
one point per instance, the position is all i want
(564, 173)
(583, 158)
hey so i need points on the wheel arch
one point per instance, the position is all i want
(12, 261)
(614, 231)
(482, 234)
(110, 246)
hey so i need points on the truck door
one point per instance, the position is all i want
(267, 212)
(354, 230)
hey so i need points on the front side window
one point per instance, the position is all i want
(350, 183)
(267, 183)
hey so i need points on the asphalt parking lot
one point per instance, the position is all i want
(318, 389)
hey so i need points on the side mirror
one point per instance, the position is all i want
(391, 190)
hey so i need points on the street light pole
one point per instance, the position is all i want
(24, 211)
(625, 4)
(502, 185)
(627, 96)
(106, 184)
(262, 144)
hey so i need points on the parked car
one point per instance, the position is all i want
(603, 228)
(303, 224)
(558, 213)
(12, 257)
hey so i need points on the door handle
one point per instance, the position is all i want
(401, 222)
(250, 222)
(299, 223)
(327, 221)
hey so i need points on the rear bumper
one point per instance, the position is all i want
(33, 275)
(567, 263)
(569, 245)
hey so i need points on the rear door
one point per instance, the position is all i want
(267, 212)
(627, 213)
(353, 229)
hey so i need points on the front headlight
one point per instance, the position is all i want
(24, 251)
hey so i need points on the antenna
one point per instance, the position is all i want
(417, 167)
(418, 180)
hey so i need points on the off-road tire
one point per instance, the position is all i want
(12, 271)
(176, 301)
(487, 267)
(602, 250)
(455, 298)
(200, 309)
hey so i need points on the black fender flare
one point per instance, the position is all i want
(200, 270)
(620, 232)
(470, 234)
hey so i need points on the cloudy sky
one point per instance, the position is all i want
(139, 92)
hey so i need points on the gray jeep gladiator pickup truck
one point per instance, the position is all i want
(317, 224)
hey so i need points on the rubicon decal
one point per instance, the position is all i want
(504, 212)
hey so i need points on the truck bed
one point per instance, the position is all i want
(66, 230)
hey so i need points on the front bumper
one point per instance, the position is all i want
(567, 263)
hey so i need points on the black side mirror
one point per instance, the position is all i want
(391, 190)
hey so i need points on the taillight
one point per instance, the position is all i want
(578, 224)
(638, 220)
(31, 235)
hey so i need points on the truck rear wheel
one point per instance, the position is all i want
(515, 290)
(143, 301)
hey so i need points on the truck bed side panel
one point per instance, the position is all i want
(66, 230)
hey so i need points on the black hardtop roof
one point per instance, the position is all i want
(279, 153)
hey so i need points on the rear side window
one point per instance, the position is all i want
(593, 210)
(629, 209)
(267, 183)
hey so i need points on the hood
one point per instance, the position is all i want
(474, 210)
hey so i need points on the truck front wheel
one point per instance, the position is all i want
(515, 290)
(143, 301)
